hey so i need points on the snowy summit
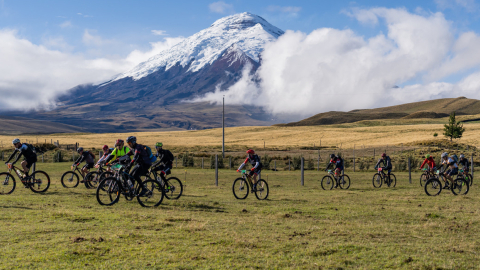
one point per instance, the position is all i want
(243, 32)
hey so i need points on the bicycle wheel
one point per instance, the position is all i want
(392, 182)
(469, 177)
(327, 182)
(39, 182)
(173, 188)
(153, 196)
(7, 183)
(433, 187)
(70, 180)
(377, 180)
(262, 190)
(460, 186)
(423, 179)
(344, 182)
(105, 175)
(240, 188)
(92, 179)
(108, 191)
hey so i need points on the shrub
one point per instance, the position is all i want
(220, 162)
(58, 156)
(310, 165)
(296, 163)
(266, 160)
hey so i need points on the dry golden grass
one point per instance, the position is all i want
(368, 133)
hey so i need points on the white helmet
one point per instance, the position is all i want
(444, 154)
(462, 156)
(15, 141)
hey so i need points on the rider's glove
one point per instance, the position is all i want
(253, 169)
(6, 163)
(237, 170)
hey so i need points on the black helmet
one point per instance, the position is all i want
(332, 155)
(132, 139)
(80, 149)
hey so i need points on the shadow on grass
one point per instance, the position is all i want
(17, 207)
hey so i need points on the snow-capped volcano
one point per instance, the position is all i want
(248, 32)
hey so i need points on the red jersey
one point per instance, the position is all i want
(429, 161)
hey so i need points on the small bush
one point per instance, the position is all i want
(58, 156)
(220, 162)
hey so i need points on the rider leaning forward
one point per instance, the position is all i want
(89, 159)
(28, 152)
(338, 161)
(430, 163)
(256, 167)
(452, 166)
(165, 160)
(387, 164)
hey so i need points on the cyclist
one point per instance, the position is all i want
(430, 163)
(387, 164)
(120, 151)
(338, 161)
(464, 162)
(106, 152)
(28, 152)
(452, 166)
(256, 167)
(165, 160)
(142, 159)
(89, 159)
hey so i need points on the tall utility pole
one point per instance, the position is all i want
(223, 128)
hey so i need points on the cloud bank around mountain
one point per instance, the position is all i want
(332, 69)
(32, 76)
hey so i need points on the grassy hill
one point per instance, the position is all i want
(20, 125)
(431, 109)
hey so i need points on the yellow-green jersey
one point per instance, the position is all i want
(119, 153)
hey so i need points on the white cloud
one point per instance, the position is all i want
(469, 5)
(289, 9)
(221, 7)
(32, 76)
(56, 43)
(66, 24)
(159, 32)
(91, 39)
(330, 69)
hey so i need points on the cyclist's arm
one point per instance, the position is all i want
(243, 164)
(79, 160)
(12, 155)
(423, 164)
(378, 163)
(328, 166)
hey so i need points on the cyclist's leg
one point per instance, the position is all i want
(138, 171)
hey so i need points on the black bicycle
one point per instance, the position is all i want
(242, 185)
(92, 179)
(329, 180)
(38, 181)
(110, 189)
(433, 186)
(381, 177)
(172, 186)
(427, 174)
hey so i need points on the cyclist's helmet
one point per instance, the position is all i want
(462, 156)
(384, 155)
(105, 147)
(132, 139)
(80, 149)
(118, 142)
(427, 156)
(15, 141)
(332, 156)
(444, 155)
(250, 152)
(158, 144)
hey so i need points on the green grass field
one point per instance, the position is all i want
(297, 227)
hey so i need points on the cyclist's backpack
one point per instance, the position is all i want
(150, 154)
(92, 154)
(31, 148)
(455, 158)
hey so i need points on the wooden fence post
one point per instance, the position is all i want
(301, 166)
(216, 170)
(409, 171)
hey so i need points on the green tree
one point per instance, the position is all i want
(453, 129)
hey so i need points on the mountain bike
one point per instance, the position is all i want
(427, 174)
(328, 180)
(109, 189)
(467, 176)
(381, 177)
(38, 181)
(71, 179)
(93, 178)
(242, 185)
(433, 186)
(172, 186)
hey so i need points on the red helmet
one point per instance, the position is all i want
(250, 151)
(384, 155)
(105, 147)
(118, 142)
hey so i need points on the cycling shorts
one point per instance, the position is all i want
(451, 172)
(256, 171)
(166, 169)
(89, 166)
(30, 161)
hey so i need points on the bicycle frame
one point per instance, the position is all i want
(247, 177)
(15, 169)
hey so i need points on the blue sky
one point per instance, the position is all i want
(129, 24)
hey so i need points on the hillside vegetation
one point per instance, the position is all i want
(364, 133)
(432, 109)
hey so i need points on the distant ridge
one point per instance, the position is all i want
(436, 108)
